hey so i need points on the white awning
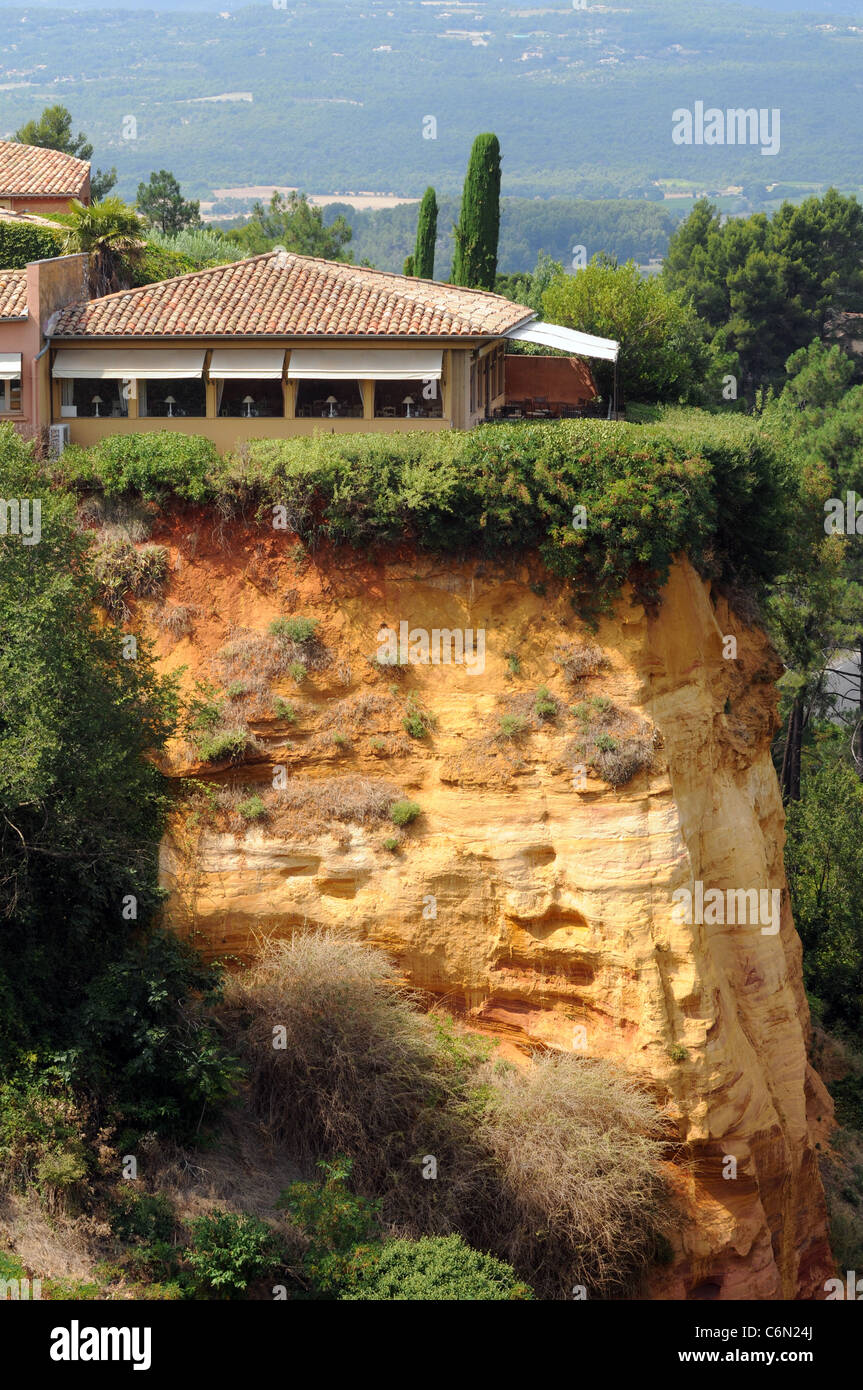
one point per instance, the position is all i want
(371, 364)
(552, 335)
(10, 365)
(247, 364)
(121, 364)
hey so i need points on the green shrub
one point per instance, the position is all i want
(21, 243)
(142, 1216)
(229, 1251)
(252, 809)
(153, 465)
(544, 705)
(237, 689)
(297, 671)
(283, 709)
(342, 1228)
(511, 725)
(434, 1269)
(294, 629)
(224, 745)
(513, 664)
(391, 843)
(403, 812)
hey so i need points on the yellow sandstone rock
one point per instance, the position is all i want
(535, 900)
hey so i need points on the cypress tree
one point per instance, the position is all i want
(476, 236)
(423, 257)
(408, 267)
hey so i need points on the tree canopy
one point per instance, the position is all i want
(53, 131)
(295, 224)
(478, 229)
(162, 203)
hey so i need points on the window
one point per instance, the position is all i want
(251, 399)
(10, 396)
(93, 396)
(472, 387)
(408, 399)
(329, 399)
(186, 396)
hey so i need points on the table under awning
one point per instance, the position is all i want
(10, 366)
(126, 364)
(247, 364)
(369, 364)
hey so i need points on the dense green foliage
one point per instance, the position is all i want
(478, 228)
(424, 251)
(436, 1268)
(112, 234)
(713, 487)
(294, 224)
(83, 981)
(22, 242)
(53, 131)
(162, 203)
(229, 1251)
(662, 356)
(628, 229)
(764, 286)
(824, 862)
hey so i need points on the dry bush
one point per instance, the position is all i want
(177, 618)
(363, 800)
(118, 518)
(577, 1145)
(616, 743)
(259, 658)
(121, 571)
(579, 660)
(361, 713)
(361, 1073)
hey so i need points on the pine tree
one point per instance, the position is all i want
(423, 257)
(476, 236)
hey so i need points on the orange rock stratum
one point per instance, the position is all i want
(537, 903)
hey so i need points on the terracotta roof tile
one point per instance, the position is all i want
(13, 294)
(28, 171)
(283, 295)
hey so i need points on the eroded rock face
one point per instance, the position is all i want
(532, 896)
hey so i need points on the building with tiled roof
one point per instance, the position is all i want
(41, 181)
(296, 344)
(13, 294)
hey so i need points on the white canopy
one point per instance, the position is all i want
(247, 364)
(120, 364)
(371, 364)
(552, 335)
(10, 365)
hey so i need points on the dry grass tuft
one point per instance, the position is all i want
(583, 1201)
(617, 744)
(579, 660)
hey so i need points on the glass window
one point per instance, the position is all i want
(93, 396)
(329, 399)
(10, 396)
(408, 399)
(249, 398)
(172, 398)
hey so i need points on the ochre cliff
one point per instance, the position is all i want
(538, 905)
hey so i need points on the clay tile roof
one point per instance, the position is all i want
(28, 171)
(13, 294)
(283, 295)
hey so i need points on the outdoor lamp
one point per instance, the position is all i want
(331, 401)
(170, 402)
(97, 401)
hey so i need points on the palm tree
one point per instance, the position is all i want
(113, 236)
